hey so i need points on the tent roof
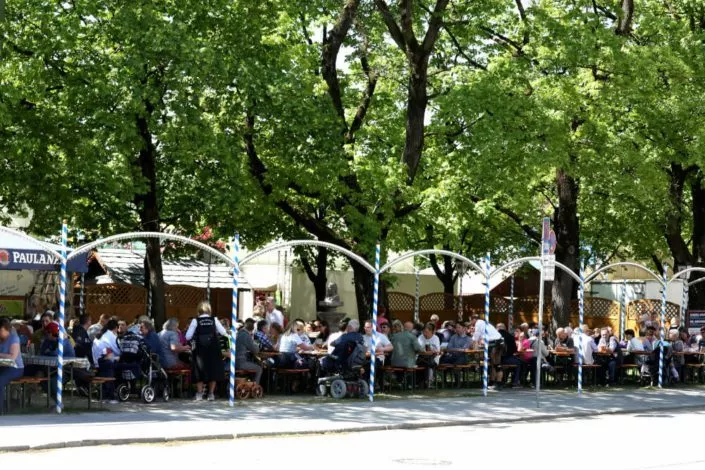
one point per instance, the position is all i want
(18, 252)
(125, 266)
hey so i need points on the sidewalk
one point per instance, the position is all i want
(186, 420)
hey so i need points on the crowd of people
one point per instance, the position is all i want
(270, 340)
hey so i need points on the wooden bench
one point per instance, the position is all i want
(23, 382)
(288, 375)
(587, 368)
(97, 382)
(181, 375)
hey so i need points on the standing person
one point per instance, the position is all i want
(494, 348)
(207, 361)
(9, 349)
(272, 314)
(246, 349)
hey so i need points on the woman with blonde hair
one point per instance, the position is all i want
(207, 362)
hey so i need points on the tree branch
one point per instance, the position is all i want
(258, 170)
(522, 15)
(391, 23)
(504, 39)
(366, 99)
(471, 61)
(624, 26)
(528, 230)
(434, 26)
(329, 56)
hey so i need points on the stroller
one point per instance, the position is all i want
(347, 367)
(155, 378)
(650, 368)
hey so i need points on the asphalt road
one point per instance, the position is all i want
(638, 441)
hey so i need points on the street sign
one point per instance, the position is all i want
(551, 242)
(546, 229)
(548, 263)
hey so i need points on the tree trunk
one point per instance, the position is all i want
(415, 115)
(447, 276)
(567, 228)
(696, 299)
(319, 278)
(148, 210)
(364, 285)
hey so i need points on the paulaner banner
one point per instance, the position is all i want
(17, 253)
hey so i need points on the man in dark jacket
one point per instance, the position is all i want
(81, 338)
(246, 349)
(509, 357)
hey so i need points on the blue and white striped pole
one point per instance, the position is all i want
(485, 339)
(233, 316)
(684, 303)
(81, 301)
(510, 318)
(417, 297)
(62, 332)
(623, 309)
(373, 348)
(581, 317)
(662, 329)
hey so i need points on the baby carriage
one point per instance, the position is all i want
(650, 368)
(347, 367)
(155, 378)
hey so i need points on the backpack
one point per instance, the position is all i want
(356, 355)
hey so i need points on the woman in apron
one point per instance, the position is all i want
(207, 361)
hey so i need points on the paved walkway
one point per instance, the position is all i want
(185, 420)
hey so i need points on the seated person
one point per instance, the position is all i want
(343, 347)
(246, 350)
(609, 344)
(171, 345)
(382, 345)
(457, 344)
(633, 344)
(290, 343)
(429, 343)
(151, 339)
(509, 357)
(262, 336)
(405, 345)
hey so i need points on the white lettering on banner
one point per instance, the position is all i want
(33, 258)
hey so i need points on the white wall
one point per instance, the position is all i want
(303, 296)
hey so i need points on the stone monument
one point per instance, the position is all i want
(327, 308)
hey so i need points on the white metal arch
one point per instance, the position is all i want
(625, 263)
(330, 246)
(159, 235)
(456, 256)
(686, 271)
(562, 266)
(40, 244)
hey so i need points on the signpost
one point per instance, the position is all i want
(548, 248)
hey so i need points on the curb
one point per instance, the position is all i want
(371, 428)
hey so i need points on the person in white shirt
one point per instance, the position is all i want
(382, 345)
(272, 314)
(587, 343)
(106, 354)
(495, 342)
(431, 345)
(290, 344)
